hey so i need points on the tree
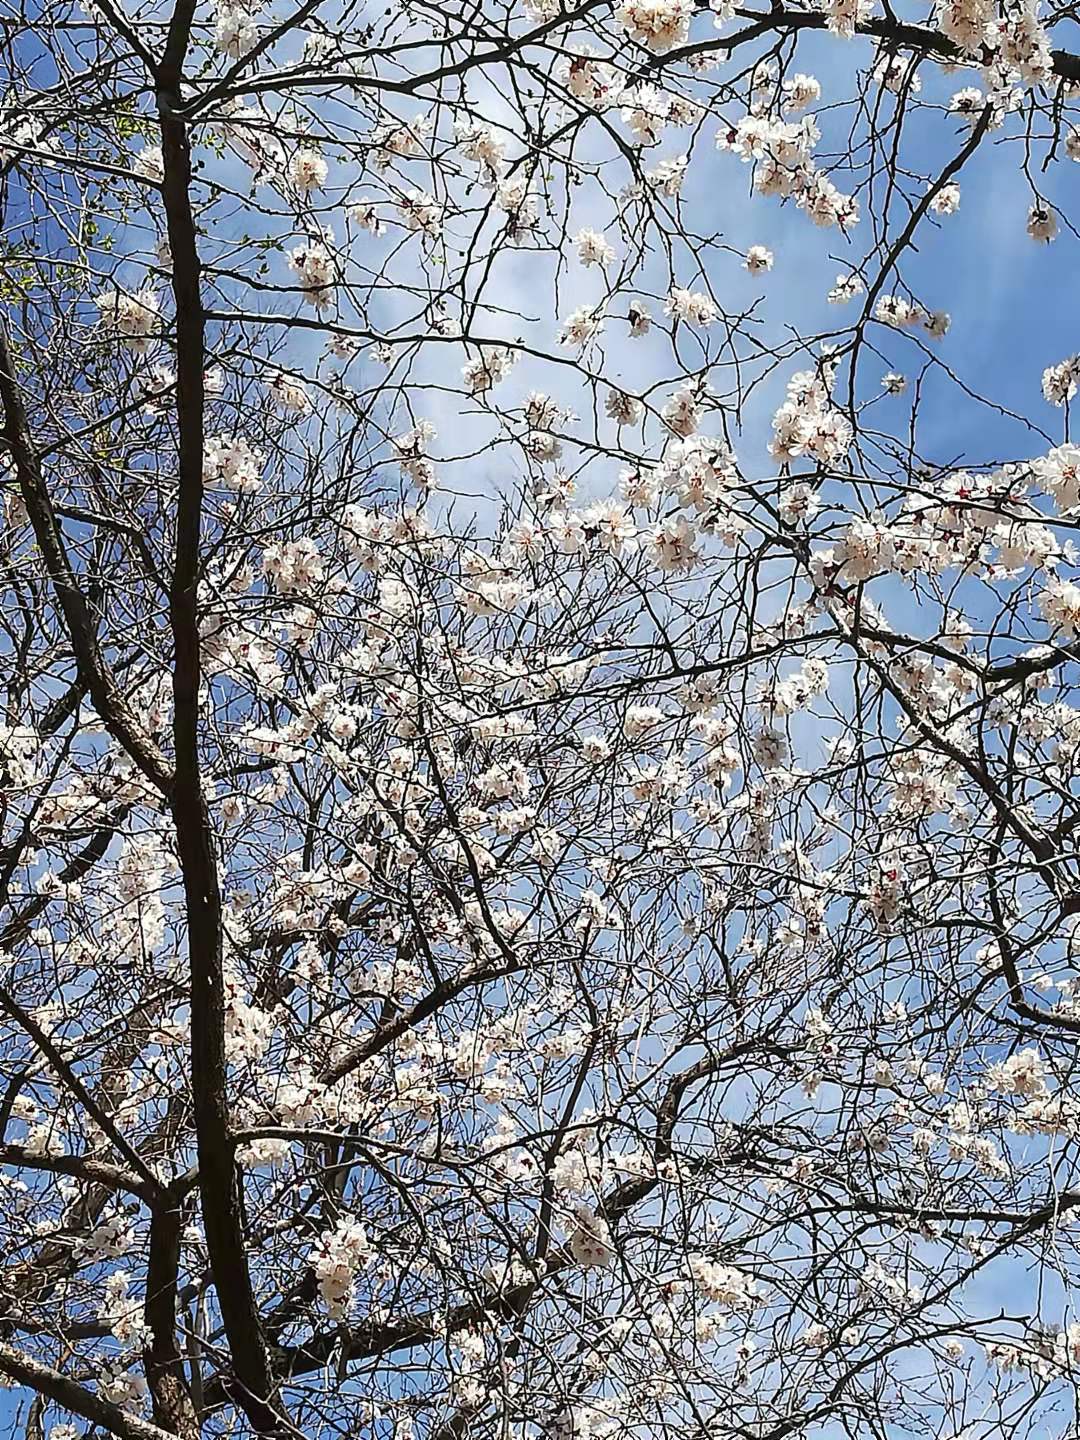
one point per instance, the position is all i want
(537, 793)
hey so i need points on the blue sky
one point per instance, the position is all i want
(1015, 305)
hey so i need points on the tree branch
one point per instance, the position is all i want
(218, 1178)
(72, 1396)
(118, 718)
